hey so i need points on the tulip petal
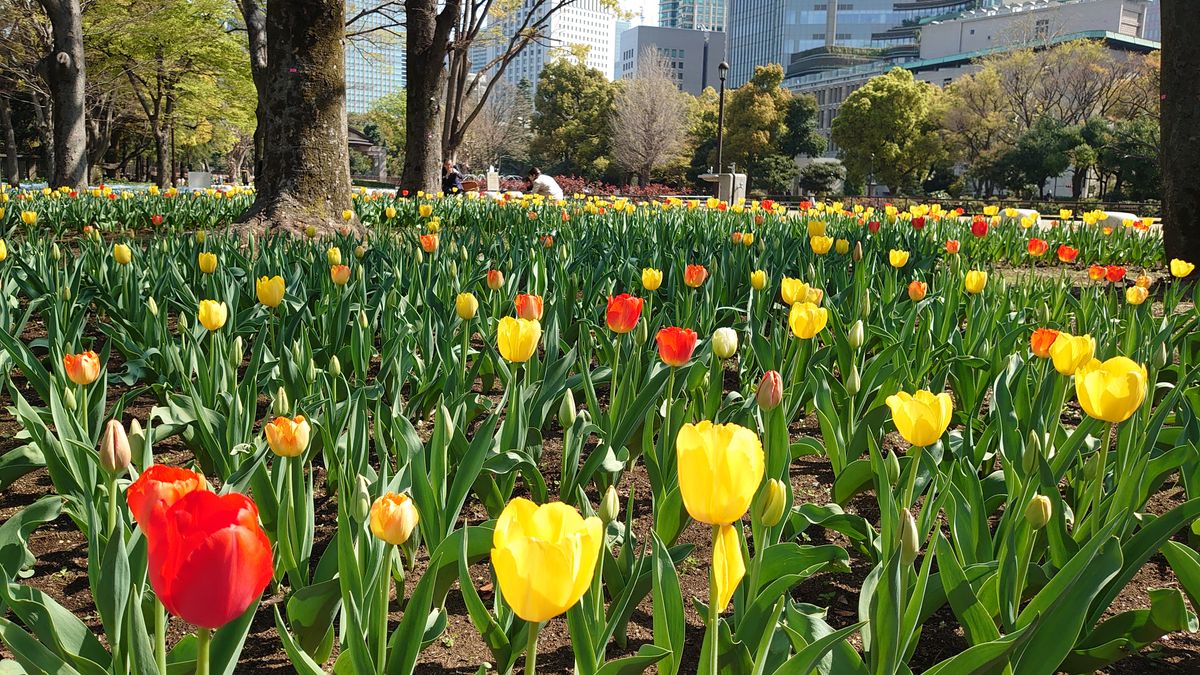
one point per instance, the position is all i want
(728, 565)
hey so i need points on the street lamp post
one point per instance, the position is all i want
(722, 71)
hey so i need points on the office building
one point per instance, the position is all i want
(585, 22)
(703, 15)
(375, 62)
(949, 49)
(691, 56)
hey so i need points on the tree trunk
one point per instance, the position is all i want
(427, 39)
(66, 74)
(1180, 127)
(11, 172)
(305, 176)
(162, 169)
(42, 111)
(256, 31)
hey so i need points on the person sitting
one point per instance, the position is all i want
(451, 179)
(541, 184)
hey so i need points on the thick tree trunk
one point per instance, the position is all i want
(66, 72)
(256, 31)
(1180, 126)
(427, 39)
(11, 172)
(305, 176)
(162, 166)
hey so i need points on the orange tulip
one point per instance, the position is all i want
(916, 290)
(529, 307)
(340, 274)
(82, 368)
(495, 279)
(429, 242)
(623, 313)
(1041, 340)
(695, 275)
(675, 345)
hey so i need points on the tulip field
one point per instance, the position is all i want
(600, 436)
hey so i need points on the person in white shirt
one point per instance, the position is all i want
(541, 184)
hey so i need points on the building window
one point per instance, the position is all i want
(1041, 29)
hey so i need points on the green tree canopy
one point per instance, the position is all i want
(887, 130)
(572, 109)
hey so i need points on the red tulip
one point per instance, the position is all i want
(979, 227)
(529, 307)
(623, 312)
(675, 345)
(873, 226)
(158, 488)
(1067, 254)
(404, 193)
(918, 222)
(495, 279)
(769, 205)
(211, 559)
(1114, 273)
(1096, 272)
(952, 246)
(1040, 341)
(1038, 247)
(156, 219)
(805, 205)
(694, 275)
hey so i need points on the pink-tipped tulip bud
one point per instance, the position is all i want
(770, 390)
(114, 448)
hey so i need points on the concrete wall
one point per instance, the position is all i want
(692, 56)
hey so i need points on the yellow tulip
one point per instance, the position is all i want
(122, 254)
(975, 281)
(3, 251)
(1181, 268)
(207, 262)
(748, 239)
(270, 290)
(425, 210)
(806, 319)
(393, 518)
(1111, 390)
(544, 557)
(390, 212)
(898, 258)
(287, 437)
(793, 290)
(921, 418)
(651, 279)
(816, 228)
(347, 214)
(1069, 352)
(1136, 295)
(30, 218)
(213, 314)
(466, 305)
(821, 245)
(334, 256)
(758, 278)
(842, 246)
(518, 338)
(720, 468)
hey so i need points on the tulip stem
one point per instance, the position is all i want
(385, 583)
(1098, 488)
(910, 484)
(466, 348)
(111, 480)
(612, 387)
(714, 612)
(160, 636)
(531, 649)
(203, 640)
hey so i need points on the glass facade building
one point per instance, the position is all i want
(703, 15)
(375, 61)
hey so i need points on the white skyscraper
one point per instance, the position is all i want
(585, 22)
(375, 61)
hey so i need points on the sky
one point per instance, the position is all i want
(648, 9)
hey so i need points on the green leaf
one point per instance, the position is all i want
(668, 617)
(1128, 632)
(302, 662)
(805, 660)
(311, 611)
(646, 656)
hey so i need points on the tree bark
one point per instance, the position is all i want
(305, 176)
(1180, 127)
(255, 17)
(66, 73)
(11, 172)
(427, 41)
(44, 115)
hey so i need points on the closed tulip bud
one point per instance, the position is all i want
(311, 372)
(770, 390)
(335, 366)
(362, 499)
(152, 307)
(724, 342)
(856, 334)
(771, 503)
(857, 254)
(137, 439)
(910, 544)
(65, 294)
(610, 505)
(69, 400)
(853, 381)
(183, 322)
(642, 334)
(55, 252)
(236, 350)
(1038, 512)
(334, 256)
(114, 448)
(1033, 451)
(891, 465)
(281, 405)
(566, 410)
(362, 320)
(866, 306)
(1163, 356)
(393, 518)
